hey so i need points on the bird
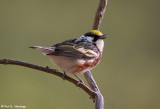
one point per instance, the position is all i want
(76, 55)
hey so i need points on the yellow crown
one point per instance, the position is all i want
(97, 32)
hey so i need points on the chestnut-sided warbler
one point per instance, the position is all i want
(76, 55)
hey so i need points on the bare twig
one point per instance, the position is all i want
(99, 97)
(99, 14)
(51, 71)
(91, 81)
(97, 22)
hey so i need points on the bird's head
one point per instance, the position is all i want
(96, 37)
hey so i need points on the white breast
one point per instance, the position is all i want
(100, 44)
(65, 63)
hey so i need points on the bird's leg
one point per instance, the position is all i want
(64, 74)
(47, 67)
(80, 80)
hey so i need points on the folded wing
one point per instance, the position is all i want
(77, 50)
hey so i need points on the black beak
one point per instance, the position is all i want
(103, 36)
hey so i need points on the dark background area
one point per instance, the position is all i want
(128, 75)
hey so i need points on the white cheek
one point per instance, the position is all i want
(100, 44)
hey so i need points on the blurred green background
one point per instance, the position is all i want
(128, 75)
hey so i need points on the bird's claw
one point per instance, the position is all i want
(80, 82)
(47, 67)
(63, 76)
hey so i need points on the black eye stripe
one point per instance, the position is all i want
(95, 39)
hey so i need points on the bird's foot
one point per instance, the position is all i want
(64, 74)
(47, 67)
(80, 81)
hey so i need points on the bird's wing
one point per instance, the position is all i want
(75, 49)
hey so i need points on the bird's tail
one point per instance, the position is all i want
(45, 50)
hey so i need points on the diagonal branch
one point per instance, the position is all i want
(99, 14)
(51, 71)
(99, 101)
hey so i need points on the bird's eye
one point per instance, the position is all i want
(95, 38)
